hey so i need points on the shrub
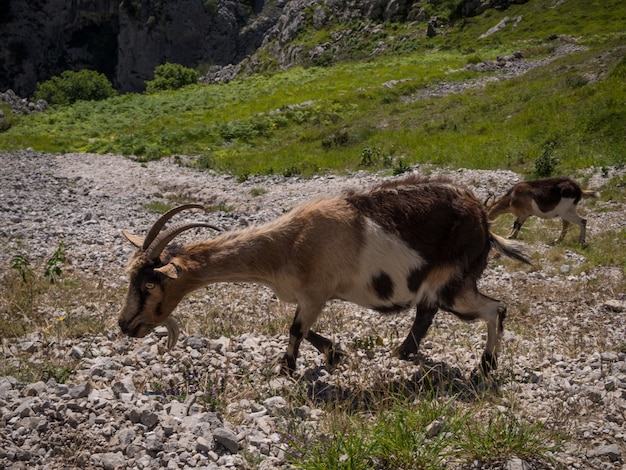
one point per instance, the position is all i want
(70, 86)
(546, 163)
(211, 6)
(6, 116)
(171, 77)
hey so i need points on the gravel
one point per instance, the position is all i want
(563, 360)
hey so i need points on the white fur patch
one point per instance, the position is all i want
(383, 253)
(565, 205)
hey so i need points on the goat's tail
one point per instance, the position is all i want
(511, 248)
(590, 193)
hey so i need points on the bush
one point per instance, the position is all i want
(171, 77)
(70, 86)
(6, 116)
(546, 163)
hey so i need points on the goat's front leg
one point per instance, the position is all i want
(423, 319)
(300, 329)
(517, 226)
(326, 347)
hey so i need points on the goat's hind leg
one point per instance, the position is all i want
(424, 316)
(571, 216)
(563, 231)
(469, 305)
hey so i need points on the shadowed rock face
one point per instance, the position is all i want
(127, 39)
(123, 40)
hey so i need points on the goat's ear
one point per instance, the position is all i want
(171, 270)
(134, 239)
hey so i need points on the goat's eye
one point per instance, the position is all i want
(149, 285)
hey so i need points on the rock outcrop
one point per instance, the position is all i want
(126, 40)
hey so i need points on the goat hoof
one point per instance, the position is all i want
(488, 362)
(334, 356)
(288, 366)
(403, 354)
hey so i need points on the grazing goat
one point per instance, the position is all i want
(546, 198)
(410, 242)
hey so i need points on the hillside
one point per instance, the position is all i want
(473, 95)
(127, 40)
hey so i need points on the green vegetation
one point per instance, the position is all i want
(171, 77)
(425, 434)
(42, 301)
(70, 87)
(318, 119)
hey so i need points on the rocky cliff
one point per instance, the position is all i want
(126, 40)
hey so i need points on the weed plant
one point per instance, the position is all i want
(422, 434)
(42, 301)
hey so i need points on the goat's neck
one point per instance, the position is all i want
(252, 255)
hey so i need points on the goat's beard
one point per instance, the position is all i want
(173, 331)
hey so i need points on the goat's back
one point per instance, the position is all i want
(438, 218)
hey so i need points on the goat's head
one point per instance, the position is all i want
(153, 291)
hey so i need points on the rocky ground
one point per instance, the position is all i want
(564, 357)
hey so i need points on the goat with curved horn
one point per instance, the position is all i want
(162, 239)
(406, 243)
(150, 250)
(159, 224)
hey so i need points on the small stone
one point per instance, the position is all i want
(615, 305)
(434, 427)
(227, 438)
(203, 445)
(149, 419)
(275, 405)
(77, 352)
(109, 460)
(34, 389)
(153, 442)
(612, 451)
(125, 436)
(518, 464)
(80, 391)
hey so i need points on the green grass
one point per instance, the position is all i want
(49, 303)
(318, 119)
(423, 434)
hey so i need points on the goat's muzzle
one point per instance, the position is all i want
(124, 326)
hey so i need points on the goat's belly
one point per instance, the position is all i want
(564, 205)
(369, 297)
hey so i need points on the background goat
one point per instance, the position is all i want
(546, 198)
(406, 243)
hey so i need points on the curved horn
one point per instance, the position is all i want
(163, 238)
(158, 225)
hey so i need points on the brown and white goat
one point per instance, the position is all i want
(410, 242)
(546, 198)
